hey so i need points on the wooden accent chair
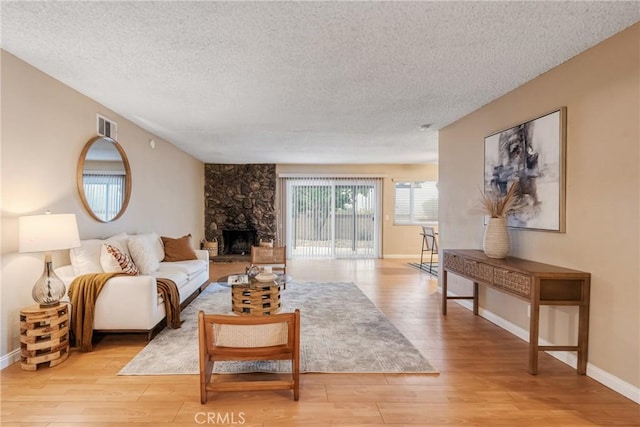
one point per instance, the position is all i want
(275, 257)
(247, 338)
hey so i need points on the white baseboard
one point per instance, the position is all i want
(603, 377)
(10, 358)
(400, 256)
(614, 383)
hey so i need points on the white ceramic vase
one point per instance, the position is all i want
(496, 238)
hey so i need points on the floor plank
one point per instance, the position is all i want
(482, 380)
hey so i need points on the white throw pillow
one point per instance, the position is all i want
(156, 245)
(86, 258)
(143, 254)
(107, 261)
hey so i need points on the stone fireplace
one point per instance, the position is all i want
(240, 199)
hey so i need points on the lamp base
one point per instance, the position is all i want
(48, 289)
(50, 305)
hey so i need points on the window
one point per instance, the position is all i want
(416, 202)
(104, 193)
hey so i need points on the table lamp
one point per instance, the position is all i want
(47, 233)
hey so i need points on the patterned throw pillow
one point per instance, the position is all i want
(124, 261)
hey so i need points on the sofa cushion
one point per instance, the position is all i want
(180, 249)
(143, 254)
(190, 268)
(178, 277)
(86, 258)
(113, 260)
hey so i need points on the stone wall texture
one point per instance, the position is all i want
(240, 197)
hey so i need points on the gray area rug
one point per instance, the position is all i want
(341, 332)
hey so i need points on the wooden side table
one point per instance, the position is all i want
(44, 336)
(260, 299)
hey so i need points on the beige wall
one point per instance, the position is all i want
(398, 241)
(45, 125)
(601, 90)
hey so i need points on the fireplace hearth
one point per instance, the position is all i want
(238, 242)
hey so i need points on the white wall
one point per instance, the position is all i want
(45, 125)
(600, 89)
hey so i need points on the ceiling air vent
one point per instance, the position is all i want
(107, 127)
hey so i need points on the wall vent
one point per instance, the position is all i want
(107, 127)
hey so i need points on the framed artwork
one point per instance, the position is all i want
(533, 154)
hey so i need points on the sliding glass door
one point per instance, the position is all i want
(355, 220)
(332, 217)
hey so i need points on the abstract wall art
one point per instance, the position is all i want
(533, 154)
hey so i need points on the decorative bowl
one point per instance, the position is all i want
(262, 277)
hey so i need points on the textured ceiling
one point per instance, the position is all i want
(302, 82)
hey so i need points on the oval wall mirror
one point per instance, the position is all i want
(104, 179)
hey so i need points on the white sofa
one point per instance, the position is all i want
(131, 303)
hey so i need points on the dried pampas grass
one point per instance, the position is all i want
(496, 205)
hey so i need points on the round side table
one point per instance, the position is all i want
(256, 298)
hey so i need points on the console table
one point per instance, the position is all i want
(539, 284)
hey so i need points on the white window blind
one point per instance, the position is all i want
(416, 202)
(104, 193)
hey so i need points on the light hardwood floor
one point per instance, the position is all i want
(483, 378)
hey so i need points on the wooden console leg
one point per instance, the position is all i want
(444, 292)
(583, 329)
(533, 337)
(475, 298)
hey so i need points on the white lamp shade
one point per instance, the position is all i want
(44, 233)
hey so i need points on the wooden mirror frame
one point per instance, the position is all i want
(127, 178)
